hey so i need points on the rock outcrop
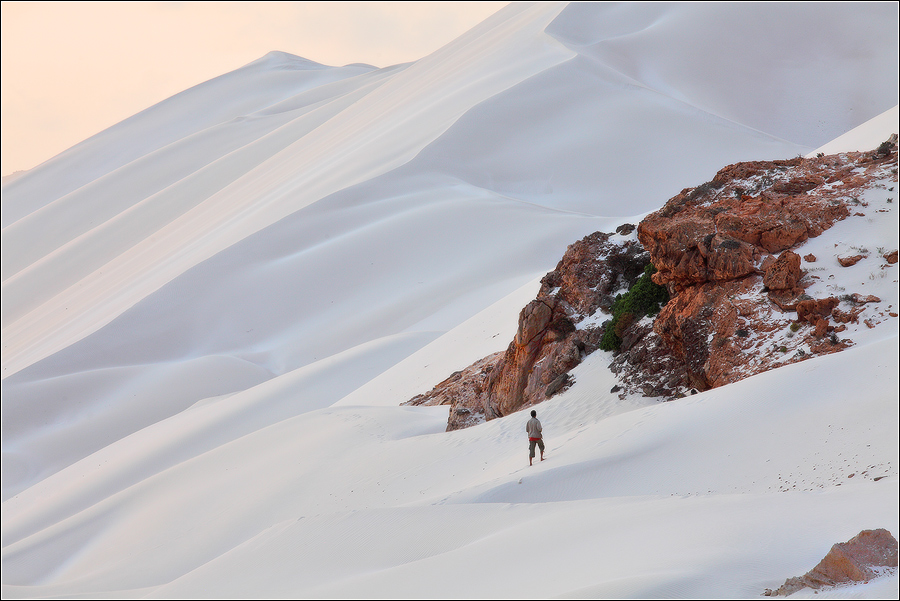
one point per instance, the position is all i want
(553, 334)
(857, 560)
(463, 391)
(724, 252)
(551, 337)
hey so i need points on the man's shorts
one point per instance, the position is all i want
(531, 444)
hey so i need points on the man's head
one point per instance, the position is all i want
(533, 413)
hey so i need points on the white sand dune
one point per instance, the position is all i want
(212, 312)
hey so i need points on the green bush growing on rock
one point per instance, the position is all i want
(643, 298)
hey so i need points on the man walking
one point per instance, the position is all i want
(533, 427)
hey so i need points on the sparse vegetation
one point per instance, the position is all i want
(643, 298)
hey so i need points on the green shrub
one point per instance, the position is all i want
(610, 341)
(644, 298)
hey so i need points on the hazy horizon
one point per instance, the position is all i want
(72, 69)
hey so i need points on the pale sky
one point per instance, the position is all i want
(72, 69)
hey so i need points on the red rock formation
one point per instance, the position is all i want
(812, 310)
(852, 561)
(723, 250)
(850, 261)
(547, 344)
(715, 248)
(859, 299)
(784, 273)
(463, 391)
(541, 351)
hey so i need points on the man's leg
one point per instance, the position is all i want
(541, 445)
(531, 451)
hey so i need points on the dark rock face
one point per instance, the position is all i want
(852, 561)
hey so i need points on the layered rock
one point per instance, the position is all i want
(857, 560)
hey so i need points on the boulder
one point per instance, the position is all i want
(850, 261)
(784, 273)
(853, 561)
(812, 310)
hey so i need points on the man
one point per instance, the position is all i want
(533, 427)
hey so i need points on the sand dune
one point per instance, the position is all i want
(212, 312)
